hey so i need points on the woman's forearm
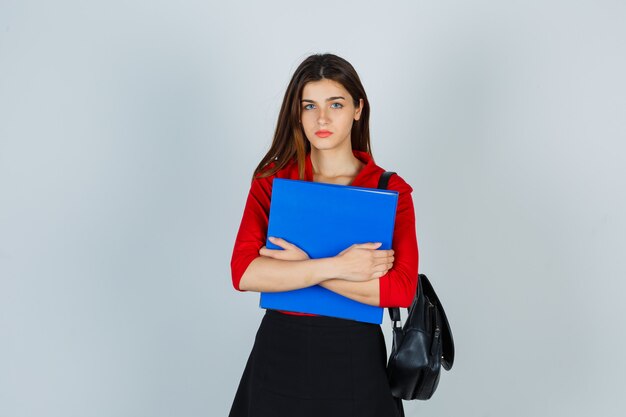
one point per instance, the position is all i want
(266, 274)
(367, 292)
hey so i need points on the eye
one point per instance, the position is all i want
(339, 104)
(307, 107)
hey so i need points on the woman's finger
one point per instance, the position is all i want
(272, 253)
(274, 240)
(368, 245)
(382, 253)
(385, 258)
(280, 242)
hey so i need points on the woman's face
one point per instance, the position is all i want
(327, 106)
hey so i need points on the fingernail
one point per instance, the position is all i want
(271, 238)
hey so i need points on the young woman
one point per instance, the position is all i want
(303, 364)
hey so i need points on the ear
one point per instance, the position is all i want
(357, 112)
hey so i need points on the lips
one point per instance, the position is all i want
(323, 133)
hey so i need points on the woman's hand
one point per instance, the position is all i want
(290, 252)
(363, 262)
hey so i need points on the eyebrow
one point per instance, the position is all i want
(328, 99)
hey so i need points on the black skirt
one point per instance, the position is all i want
(315, 366)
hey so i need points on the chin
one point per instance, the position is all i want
(323, 147)
(322, 144)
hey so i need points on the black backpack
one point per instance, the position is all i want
(422, 346)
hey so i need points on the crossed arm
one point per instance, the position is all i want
(394, 288)
(290, 268)
(367, 292)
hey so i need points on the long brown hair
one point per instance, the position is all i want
(289, 138)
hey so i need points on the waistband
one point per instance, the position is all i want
(325, 321)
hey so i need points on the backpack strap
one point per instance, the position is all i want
(383, 181)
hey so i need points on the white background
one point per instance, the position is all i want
(128, 136)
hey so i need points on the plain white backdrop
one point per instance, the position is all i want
(128, 135)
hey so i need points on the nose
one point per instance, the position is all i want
(322, 118)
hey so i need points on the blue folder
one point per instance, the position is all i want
(323, 220)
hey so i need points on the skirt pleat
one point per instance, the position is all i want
(315, 366)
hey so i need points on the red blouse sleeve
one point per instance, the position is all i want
(398, 285)
(253, 228)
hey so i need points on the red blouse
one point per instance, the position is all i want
(397, 286)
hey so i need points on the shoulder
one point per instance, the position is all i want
(372, 172)
(260, 175)
(396, 182)
(265, 181)
(405, 199)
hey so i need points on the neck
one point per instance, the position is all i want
(332, 163)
